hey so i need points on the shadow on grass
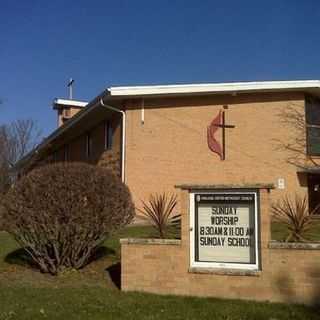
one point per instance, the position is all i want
(100, 253)
(114, 272)
(22, 258)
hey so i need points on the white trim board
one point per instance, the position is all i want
(71, 103)
(231, 87)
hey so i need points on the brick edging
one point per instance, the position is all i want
(294, 245)
(186, 186)
(150, 241)
(227, 272)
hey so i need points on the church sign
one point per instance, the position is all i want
(224, 230)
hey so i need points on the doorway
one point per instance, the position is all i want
(314, 192)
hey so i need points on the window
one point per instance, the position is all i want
(108, 135)
(66, 153)
(55, 156)
(314, 192)
(88, 145)
(313, 126)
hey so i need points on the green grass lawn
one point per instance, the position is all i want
(92, 292)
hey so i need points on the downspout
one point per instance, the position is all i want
(123, 136)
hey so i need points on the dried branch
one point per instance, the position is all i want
(295, 143)
(16, 140)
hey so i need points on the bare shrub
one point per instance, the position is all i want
(295, 215)
(159, 210)
(62, 212)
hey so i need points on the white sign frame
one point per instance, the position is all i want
(220, 265)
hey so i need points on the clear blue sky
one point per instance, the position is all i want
(103, 43)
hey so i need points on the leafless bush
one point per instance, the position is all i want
(159, 210)
(61, 213)
(295, 215)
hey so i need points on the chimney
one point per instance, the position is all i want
(67, 108)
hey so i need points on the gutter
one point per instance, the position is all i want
(123, 136)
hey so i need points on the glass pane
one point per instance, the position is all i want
(225, 228)
(110, 135)
(313, 141)
(313, 111)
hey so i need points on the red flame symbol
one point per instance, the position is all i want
(213, 144)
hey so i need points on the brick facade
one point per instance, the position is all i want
(286, 275)
(170, 148)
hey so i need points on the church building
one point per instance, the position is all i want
(159, 136)
(229, 151)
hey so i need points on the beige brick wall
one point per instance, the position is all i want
(171, 146)
(287, 275)
(71, 112)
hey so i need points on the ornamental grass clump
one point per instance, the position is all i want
(159, 212)
(295, 215)
(61, 213)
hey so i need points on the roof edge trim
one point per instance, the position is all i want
(213, 88)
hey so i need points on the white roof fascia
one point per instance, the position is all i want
(214, 88)
(72, 103)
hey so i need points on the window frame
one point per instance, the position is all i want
(66, 153)
(221, 265)
(55, 156)
(88, 145)
(309, 151)
(108, 135)
(310, 126)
